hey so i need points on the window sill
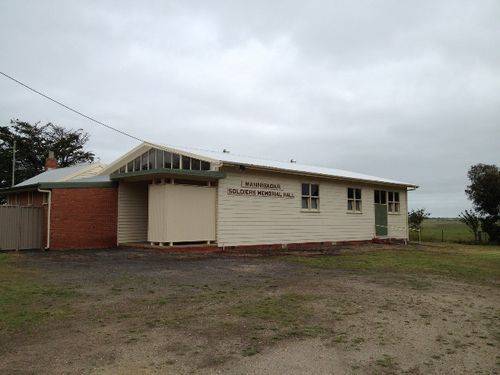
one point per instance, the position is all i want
(310, 211)
(394, 213)
(354, 212)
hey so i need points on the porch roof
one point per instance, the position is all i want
(172, 173)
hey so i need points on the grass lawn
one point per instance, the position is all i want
(449, 229)
(24, 301)
(469, 263)
(431, 308)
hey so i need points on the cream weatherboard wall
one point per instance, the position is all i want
(244, 220)
(132, 212)
(397, 223)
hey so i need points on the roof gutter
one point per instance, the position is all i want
(19, 189)
(49, 205)
(58, 185)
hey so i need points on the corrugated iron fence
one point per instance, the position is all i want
(21, 227)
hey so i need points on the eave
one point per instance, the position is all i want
(58, 185)
(169, 173)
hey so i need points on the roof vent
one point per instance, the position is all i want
(225, 151)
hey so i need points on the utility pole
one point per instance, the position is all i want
(14, 163)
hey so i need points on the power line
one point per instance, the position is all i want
(109, 126)
(70, 108)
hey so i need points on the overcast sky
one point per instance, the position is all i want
(408, 90)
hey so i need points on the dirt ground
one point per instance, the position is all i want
(141, 312)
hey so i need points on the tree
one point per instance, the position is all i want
(484, 192)
(33, 142)
(416, 217)
(470, 219)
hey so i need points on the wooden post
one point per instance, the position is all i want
(442, 235)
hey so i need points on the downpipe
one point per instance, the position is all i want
(49, 205)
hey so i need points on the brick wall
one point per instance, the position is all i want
(83, 218)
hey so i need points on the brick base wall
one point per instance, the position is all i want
(83, 218)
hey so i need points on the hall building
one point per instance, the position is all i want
(175, 197)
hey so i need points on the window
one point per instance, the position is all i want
(159, 159)
(144, 162)
(137, 164)
(310, 196)
(30, 198)
(45, 198)
(152, 159)
(205, 165)
(167, 160)
(186, 162)
(176, 161)
(195, 164)
(393, 201)
(380, 197)
(354, 199)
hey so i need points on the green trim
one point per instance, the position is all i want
(174, 172)
(19, 189)
(59, 185)
(77, 185)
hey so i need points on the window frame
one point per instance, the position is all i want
(309, 196)
(354, 200)
(155, 158)
(129, 167)
(167, 160)
(394, 203)
(137, 163)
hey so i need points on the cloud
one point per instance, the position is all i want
(401, 90)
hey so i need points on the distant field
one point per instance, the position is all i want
(453, 230)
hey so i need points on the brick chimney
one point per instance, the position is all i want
(50, 162)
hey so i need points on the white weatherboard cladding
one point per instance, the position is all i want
(252, 220)
(397, 223)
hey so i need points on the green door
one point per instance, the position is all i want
(380, 213)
